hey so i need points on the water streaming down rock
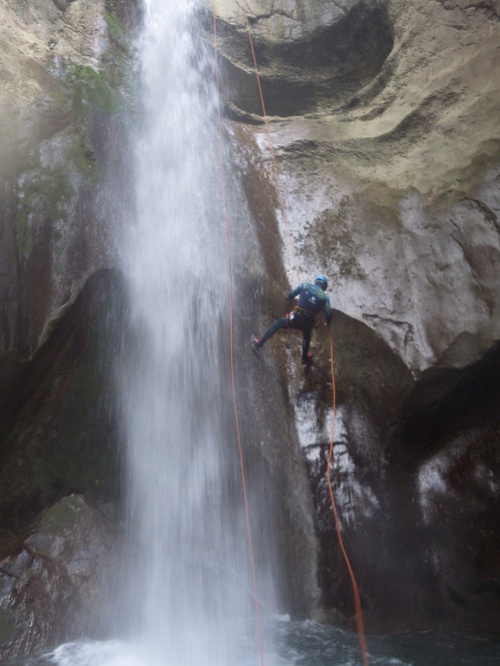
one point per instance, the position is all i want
(189, 594)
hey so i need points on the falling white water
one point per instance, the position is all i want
(188, 599)
(186, 596)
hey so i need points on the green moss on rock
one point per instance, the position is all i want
(88, 89)
(60, 517)
(116, 32)
(82, 155)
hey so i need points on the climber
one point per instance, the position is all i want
(312, 299)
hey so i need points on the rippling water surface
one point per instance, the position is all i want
(304, 644)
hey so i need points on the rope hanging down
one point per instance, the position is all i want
(357, 599)
(273, 155)
(231, 351)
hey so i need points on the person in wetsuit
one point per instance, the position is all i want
(311, 300)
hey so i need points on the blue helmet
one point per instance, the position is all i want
(321, 281)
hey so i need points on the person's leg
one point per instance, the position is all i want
(303, 323)
(306, 341)
(275, 326)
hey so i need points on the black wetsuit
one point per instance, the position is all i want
(312, 299)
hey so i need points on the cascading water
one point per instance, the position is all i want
(188, 595)
(187, 590)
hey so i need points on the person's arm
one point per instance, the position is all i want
(328, 311)
(295, 292)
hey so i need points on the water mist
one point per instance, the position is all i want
(189, 590)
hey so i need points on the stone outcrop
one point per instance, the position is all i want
(392, 181)
(60, 435)
(58, 584)
(60, 421)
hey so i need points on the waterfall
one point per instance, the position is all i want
(188, 593)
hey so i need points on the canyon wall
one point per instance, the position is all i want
(383, 125)
(380, 143)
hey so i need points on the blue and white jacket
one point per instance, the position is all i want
(312, 299)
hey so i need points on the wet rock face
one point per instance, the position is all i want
(446, 442)
(62, 104)
(391, 190)
(415, 471)
(385, 125)
(59, 436)
(59, 419)
(62, 572)
(384, 120)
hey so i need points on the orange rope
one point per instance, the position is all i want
(231, 353)
(273, 155)
(357, 600)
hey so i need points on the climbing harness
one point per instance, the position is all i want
(298, 310)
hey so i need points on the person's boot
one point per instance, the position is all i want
(256, 343)
(307, 359)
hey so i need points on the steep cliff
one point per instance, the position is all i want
(384, 122)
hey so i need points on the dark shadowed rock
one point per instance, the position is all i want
(58, 584)
(59, 418)
(309, 59)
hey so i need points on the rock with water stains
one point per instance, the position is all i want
(59, 436)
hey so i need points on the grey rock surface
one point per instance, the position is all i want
(391, 187)
(62, 572)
